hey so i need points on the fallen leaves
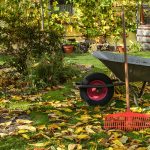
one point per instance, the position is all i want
(74, 147)
(53, 127)
(89, 129)
(41, 144)
(26, 128)
(23, 121)
(82, 137)
(71, 125)
(123, 139)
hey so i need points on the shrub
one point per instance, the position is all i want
(36, 53)
(49, 70)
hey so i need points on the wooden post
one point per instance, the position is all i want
(42, 15)
(142, 14)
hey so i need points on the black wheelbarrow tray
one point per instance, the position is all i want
(98, 88)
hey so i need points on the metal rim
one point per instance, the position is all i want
(97, 94)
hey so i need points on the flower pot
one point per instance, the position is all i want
(120, 49)
(68, 49)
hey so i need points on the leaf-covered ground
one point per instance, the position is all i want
(57, 119)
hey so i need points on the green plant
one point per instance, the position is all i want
(49, 70)
(33, 37)
(101, 17)
(135, 47)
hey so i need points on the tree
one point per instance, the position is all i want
(32, 36)
(103, 17)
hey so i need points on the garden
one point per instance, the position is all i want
(40, 104)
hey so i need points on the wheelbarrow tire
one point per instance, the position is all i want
(91, 95)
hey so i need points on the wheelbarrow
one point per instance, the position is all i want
(98, 88)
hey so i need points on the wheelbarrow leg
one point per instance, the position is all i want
(142, 90)
(135, 96)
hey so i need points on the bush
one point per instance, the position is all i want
(36, 53)
(135, 47)
(50, 71)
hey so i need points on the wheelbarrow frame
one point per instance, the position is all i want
(115, 62)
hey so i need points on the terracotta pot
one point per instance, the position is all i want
(120, 49)
(68, 48)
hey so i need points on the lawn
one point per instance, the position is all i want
(58, 119)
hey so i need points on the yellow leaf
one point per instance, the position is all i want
(71, 146)
(5, 124)
(89, 130)
(41, 144)
(113, 103)
(148, 148)
(3, 135)
(16, 97)
(79, 130)
(71, 138)
(62, 124)
(67, 110)
(85, 118)
(97, 116)
(82, 136)
(26, 136)
(41, 127)
(118, 143)
(61, 147)
(53, 127)
(23, 131)
(27, 127)
(74, 147)
(136, 109)
(123, 139)
(22, 121)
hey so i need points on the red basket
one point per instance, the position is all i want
(127, 121)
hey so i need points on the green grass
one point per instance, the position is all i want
(4, 59)
(13, 143)
(145, 54)
(58, 95)
(86, 59)
(23, 105)
(39, 116)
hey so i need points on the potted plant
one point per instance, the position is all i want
(117, 37)
(120, 49)
(68, 46)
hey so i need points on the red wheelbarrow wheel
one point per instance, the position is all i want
(97, 96)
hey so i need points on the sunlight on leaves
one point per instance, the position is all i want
(23, 121)
(25, 136)
(79, 130)
(27, 127)
(89, 129)
(83, 137)
(41, 144)
(74, 147)
(17, 98)
(123, 139)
